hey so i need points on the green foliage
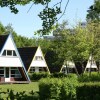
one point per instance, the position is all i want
(94, 11)
(57, 88)
(37, 76)
(2, 29)
(88, 91)
(49, 17)
(51, 88)
(12, 95)
(68, 89)
(33, 86)
(86, 77)
(58, 75)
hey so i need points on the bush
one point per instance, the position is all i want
(86, 77)
(62, 75)
(57, 89)
(38, 76)
(49, 88)
(88, 91)
(58, 75)
(68, 89)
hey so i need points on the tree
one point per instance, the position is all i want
(94, 39)
(48, 15)
(2, 28)
(94, 11)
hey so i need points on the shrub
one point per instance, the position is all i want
(86, 77)
(68, 89)
(37, 76)
(58, 75)
(49, 88)
(88, 91)
(57, 89)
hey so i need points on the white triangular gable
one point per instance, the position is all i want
(38, 63)
(10, 61)
(70, 65)
(91, 63)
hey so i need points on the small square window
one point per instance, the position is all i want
(9, 52)
(38, 58)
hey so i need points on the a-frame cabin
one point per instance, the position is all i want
(91, 65)
(33, 59)
(12, 69)
(69, 67)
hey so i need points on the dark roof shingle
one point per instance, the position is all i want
(53, 62)
(3, 39)
(27, 54)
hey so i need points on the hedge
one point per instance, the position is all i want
(37, 76)
(88, 91)
(86, 77)
(57, 89)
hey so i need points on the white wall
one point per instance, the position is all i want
(39, 63)
(10, 62)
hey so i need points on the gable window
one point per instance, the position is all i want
(38, 58)
(9, 53)
(14, 53)
(4, 53)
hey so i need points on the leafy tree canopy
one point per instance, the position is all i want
(94, 11)
(48, 15)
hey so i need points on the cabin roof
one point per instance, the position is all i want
(27, 54)
(3, 39)
(53, 68)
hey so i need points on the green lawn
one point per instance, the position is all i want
(33, 86)
(20, 87)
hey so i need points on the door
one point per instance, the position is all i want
(7, 74)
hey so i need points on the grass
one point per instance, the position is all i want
(20, 87)
(33, 86)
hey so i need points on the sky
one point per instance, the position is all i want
(26, 24)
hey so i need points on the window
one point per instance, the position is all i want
(4, 53)
(38, 58)
(14, 53)
(9, 53)
(1, 72)
(32, 69)
(15, 72)
(41, 69)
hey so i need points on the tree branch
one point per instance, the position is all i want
(64, 10)
(30, 7)
(58, 3)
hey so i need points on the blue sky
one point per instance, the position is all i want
(26, 24)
